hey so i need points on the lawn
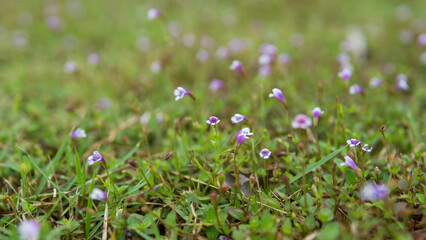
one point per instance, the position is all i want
(212, 119)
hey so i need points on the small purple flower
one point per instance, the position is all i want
(180, 92)
(54, 23)
(237, 45)
(284, 58)
(93, 59)
(356, 89)
(317, 112)
(268, 49)
(402, 85)
(264, 71)
(29, 230)
(203, 55)
(301, 121)
(156, 66)
(238, 118)
(212, 121)
(104, 103)
(207, 42)
(345, 74)
(366, 148)
(242, 135)
(265, 153)
(78, 133)
(277, 93)
(265, 59)
(350, 163)
(222, 52)
(189, 40)
(401, 77)
(98, 194)
(153, 14)
(96, 157)
(375, 82)
(216, 85)
(421, 40)
(236, 65)
(372, 192)
(70, 67)
(353, 142)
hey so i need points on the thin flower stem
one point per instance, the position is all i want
(197, 106)
(110, 179)
(316, 141)
(289, 121)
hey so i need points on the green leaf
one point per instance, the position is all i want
(325, 215)
(319, 163)
(236, 213)
(267, 223)
(212, 232)
(330, 232)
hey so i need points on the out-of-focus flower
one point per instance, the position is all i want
(406, 36)
(29, 230)
(353, 142)
(401, 82)
(375, 82)
(237, 45)
(222, 52)
(265, 59)
(153, 14)
(70, 67)
(265, 153)
(403, 12)
(96, 157)
(301, 121)
(372, 192)
(93, 59)
(343, 58)
(188, 40)
(54, 23)
(238, 118)
(206, 42)
(264, 71)
(98, 194)
(144, 119)
(350, 163)
(143, 44)
(242, 135)
(180, 92)
(216, 85)
(297, 39)
(174, 29)
(401, 77)
(366, 148)
(284, 58)
(20, 41)
(160, 117)
(268, 49)
(345, 74)
(203, 55)
(421, 39)
(212, 121)
(317, 112)
(104, 103)
(278, 94)
(156, 67)
(78, 133)
(356, 89)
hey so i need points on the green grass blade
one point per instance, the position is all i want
(319, 163)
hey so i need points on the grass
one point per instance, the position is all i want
(172, 176)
